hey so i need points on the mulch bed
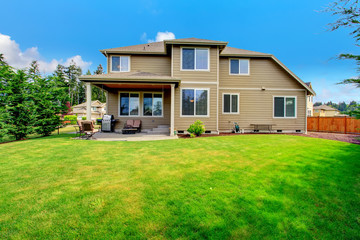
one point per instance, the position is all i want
(350, 138)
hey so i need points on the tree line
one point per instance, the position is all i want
(343, 107)
(33, 103)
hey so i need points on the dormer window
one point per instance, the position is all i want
(239, 67)
(195, 59)
(120, 64)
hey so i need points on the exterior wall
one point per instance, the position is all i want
(264, 72)
(148, 63)
(256, 107)
(147, 122)
(210, 122)
(196, 79)
(325, 113)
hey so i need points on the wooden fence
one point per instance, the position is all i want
(334, 124)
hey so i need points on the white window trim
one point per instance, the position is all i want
(201, 70)
(127, 116)
(285, 117)
(208, 103)
(238, 105)
(162, 105)
(120, 63)
(237, 74)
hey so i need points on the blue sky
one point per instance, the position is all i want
(294, 31)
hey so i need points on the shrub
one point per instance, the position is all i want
(197, 128)
(71, 118)
(83, 118)
(192, 135)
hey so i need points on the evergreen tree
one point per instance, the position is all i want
(98, 93)
(33, 71)
(18, 106)
(50, 102)
(76, 88)
(6, 74)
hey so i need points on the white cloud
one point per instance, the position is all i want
(160, 36)
(22, 59)
(335, 93)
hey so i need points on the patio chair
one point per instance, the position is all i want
(129, 127)
(88, 129)
(137, 125)
(79, 128)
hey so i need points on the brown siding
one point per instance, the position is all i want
(147, 63)
(264, 72)
(195, 76)
(256, 107)
(147, 122)
(183, 123)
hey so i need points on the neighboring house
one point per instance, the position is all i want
(176, 82)
(325, 111)
(98, 109)
(310, 103)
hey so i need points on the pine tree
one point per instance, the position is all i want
(18, 106)
(50, 102)
(97, 93)
(76, 88)
(6, 74)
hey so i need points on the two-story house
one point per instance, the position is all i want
(176, 82)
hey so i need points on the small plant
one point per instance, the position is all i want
(83, 118)
(197, 128)
(192, 135)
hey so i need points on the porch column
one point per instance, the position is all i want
(88, 101)
(172, 111)
(107, 102)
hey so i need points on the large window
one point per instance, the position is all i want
(284, 107)
(120, 64)
(129, 104)
(230, 103)
(153, 104)
(239, 66)
(195, 59)
(194, 102)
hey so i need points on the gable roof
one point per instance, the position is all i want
(160, 48)
(325, 107)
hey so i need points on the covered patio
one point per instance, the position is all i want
(147, 97)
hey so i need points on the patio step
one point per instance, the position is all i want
(164, 126)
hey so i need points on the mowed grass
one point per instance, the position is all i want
(235, 187)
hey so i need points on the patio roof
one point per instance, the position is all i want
(130, 78)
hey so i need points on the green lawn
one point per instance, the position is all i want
(235, 187)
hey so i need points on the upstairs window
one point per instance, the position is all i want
(120, 64)
(284, 107)
(231, 103)
(196, 59)
(239, 66)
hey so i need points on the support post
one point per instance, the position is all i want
(88, 101)
(172, 111)
(107, 102)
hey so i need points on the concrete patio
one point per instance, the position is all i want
(114, 136)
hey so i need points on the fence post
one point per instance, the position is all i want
(345, 124)
(318, 128)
